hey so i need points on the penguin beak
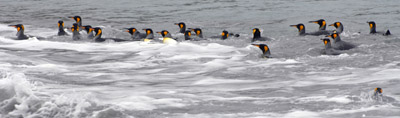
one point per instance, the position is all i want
(328, 36)
(256, 45)
(71, 17)
(332, 25)
(313, 22)
(13, 26)
(293, 26)
(176, 23)
(126, 30)
(158, 32)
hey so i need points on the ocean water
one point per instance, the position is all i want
(60, 78)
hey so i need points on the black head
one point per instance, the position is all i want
(19, 27)
(60, 23)
(182, 27)
(188, 33)
(148, 31)
(299, 26)
(334, 35)
(264, 48)
(336, 24)
(321, 23)
(97, 31)
(225, 34)
(87, 28)
(76, 18)
(75, 27)
(163, 33)
(256, 33)
(131, 30)
(197, 31)
(326, 41)
(372, 26)
(378, 90)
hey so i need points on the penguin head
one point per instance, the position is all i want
(372, 26)
(321, 23)
(225, 34)
(131, 30)
(336, 24)
(256, 33)
(326, 41)
(60, 24)
(76, 18)
(188, 33)
(265, 49)
(165, 34)
(75, 27)
(98, 31)
(87, 28)
(378, 90)
(19, 27)
(182, 27)
(148, 31)
(300, 27)
(334, 35)
(197, 31)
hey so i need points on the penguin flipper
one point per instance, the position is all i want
(387, 33)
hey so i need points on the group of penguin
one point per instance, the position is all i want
(96, 32)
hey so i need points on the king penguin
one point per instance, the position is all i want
(61, 31)
(135, 35)
(78, 20)
(257, 36)
(225, 35)
(149, 35)
(328, 50)
(302, 30)
(339, 44)
(20, 32)
(167, 38)
(338, 26)
(198, 33)
(188, 35)
(89, 31)
(99, 32)
(322, 27)
(75, 32)
(372, 27)
(182, 27)
(265, 49)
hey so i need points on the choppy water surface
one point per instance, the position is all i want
(58, 77)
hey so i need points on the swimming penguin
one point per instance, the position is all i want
(75, 32)
(99, 32)
(322, 27)
(188, 35)
(61, 31)
(378, 92)
(302, 30)
(257, 36)
(372, 27)
(149, 35)
(89, 31)
(328, 48)
(265, 49)
(339, 44)
(182, 27)
(78, 20)
(167, 38)
(135, 35)
(198, 33)
(20, 32)
(338, 26)
(225, 34)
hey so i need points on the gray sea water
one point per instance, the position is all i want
(61, 78)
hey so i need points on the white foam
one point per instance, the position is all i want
(212, 81)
